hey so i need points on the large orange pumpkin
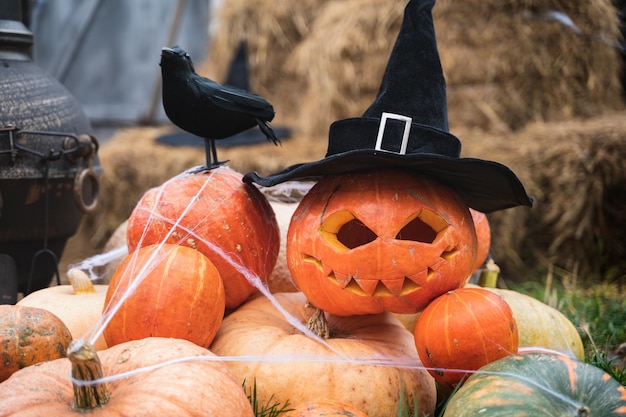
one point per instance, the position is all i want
(217, 214)
(324, 408)
(464, 330)
(189, 388)
(167, 291)
(289, 366)
(375, 241)
(29, 335)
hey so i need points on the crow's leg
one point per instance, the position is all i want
(210, 152)
(215, 162)
(208, 147)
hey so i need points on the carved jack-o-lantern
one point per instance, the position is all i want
(374, 241)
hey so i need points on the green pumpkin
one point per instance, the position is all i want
(538, 385)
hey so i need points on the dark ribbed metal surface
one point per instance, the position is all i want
(43, 133)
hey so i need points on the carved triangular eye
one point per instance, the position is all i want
(424, 227)
(355, 233)
(344, 231)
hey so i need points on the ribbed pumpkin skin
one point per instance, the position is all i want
(29, 335)
(188, 389)
(181, 296)
(464, 329)
(212, 208)
(418, 242)
(257, 328)
(324, 408)
(538, 385)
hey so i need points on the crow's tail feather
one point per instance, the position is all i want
(268, 132)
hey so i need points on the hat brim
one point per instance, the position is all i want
(485, 186)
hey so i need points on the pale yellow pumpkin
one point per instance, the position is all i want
(280, 279)
(117, 241)
(408, 320)
(78, 305)
(540, 325)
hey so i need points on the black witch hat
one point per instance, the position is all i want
(407, 127)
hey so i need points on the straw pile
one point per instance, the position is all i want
(516, 66)
(272, 30)
(343, 59)
(575, 170)
(505, 64)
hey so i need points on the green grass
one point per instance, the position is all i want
(269, 409)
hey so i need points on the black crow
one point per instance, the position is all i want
(206, 108)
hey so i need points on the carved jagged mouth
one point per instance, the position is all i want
(376, 287)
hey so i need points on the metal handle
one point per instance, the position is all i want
(86, 182)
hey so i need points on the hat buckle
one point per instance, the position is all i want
(405, 135)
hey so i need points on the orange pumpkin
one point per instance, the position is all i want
(463, 330)
(29, 335)
(337, 370)
(217, 214)
(190, 388)
(166, 291)
(483, 237)
(385, 240)
(325, 407)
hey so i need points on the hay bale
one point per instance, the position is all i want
(506, 67)
(323, 61)
(575, 171)
(272, 29)
(343, 58)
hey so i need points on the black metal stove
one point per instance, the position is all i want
(49, 171)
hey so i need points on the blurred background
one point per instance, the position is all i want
(107, 52)
(535, 85)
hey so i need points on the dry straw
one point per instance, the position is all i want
(506, 64)
(272, 29)
(575, 170)
(517, 66)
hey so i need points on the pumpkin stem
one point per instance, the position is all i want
(583, 411)
(317, 322)
(86, 367)
(81, 284)
(489, 276)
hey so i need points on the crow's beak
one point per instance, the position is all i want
(168, 52)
